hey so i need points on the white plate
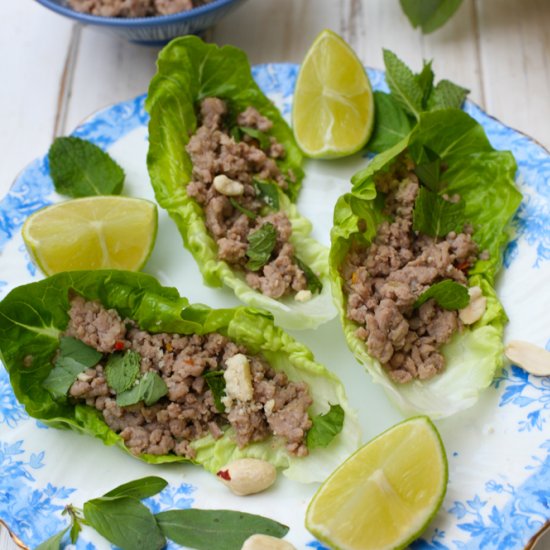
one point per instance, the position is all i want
(499, 451)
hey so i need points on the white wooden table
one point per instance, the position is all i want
(55, 73)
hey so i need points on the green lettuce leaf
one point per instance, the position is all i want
(33, 317)
(484, 179)
(188, 71)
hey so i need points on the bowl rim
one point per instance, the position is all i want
(134, 22)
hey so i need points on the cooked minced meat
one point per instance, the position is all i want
(214, 152)
(188, 412)
(134, 8)
(384, 280)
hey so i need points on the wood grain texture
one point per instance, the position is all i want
(33, 48)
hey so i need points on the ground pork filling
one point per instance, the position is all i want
(134, 8)
(383, 281)
(214, 152)
(188, 412)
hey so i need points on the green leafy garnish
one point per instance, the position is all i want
(240, 208)
(435, 216)
(314, 284)
(125, 522)
(391, 124)
(216, 383)
(448, 294)
(429, 15)
(410, 95)
(122, 370)
(428, 169)
(144, 487)
(215, 529)
(268, 192)
(74, 358)
(150, 388)
(260, 246)
(54, 542)
(262, 137)
(325, 427)
(81, 169)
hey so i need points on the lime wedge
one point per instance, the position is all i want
(333, 109)
(92, 233)
(385, 494)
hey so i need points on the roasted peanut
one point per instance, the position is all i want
(265, 542)
(475, 309)
(303, 296)
(529, 357)
(228, 187)
(246, 476)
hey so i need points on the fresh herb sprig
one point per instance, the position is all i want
(260, 246)
(121, 517)
(325, 427)
(448, 294)
(81, 169)
(410, 95)
(429, 15)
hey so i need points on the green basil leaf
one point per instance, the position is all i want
(122, 370)
(268, 191)
(425, 79)
(240, 208)
(79, 351)
(215, 529)
(125, 522)
(235, 133)
(216, 383)
(391, 123)
(447, 95)
(448, 294)
(74, 358)
(428, 169)
(54, 542)
(325, 427)
(150, 388)
(314, 284)
(435, 216)
(81, 169)
(260, 246)
(75, 530)
(262, 137)
(403, 84)
(429, 15)
(139, 488)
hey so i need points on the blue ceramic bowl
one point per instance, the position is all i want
(151, 30)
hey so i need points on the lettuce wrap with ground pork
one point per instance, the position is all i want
(189, 71)
(484, 180)
(33, 317)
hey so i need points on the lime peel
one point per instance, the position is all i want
(386, 493)
(333, 108)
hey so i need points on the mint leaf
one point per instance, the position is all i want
(428, 169)
(74, 358)
(268, 191)
(391, 123)
(425, 79)
(125, 522)
(403, 84)
(262, 137)
(240, 208)
(260, 246)
(447, 95)
(429, 15)
(122, 370)
(75, 531)
(81, 169)
(139, 488)
(448, 294)
(434, 216)
(215, 529)
(325, 427)
(314, 284)
(216, 383)
(54, 542)
(150, 389)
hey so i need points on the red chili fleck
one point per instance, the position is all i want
(188, 361)
(119, 345)
(463, 266)
(224, 474)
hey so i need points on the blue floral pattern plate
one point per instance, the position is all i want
(499, 451)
